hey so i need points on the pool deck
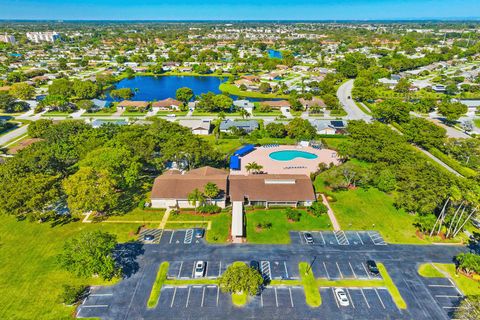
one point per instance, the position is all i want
(296, 166)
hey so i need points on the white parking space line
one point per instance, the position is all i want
(188, 236)
(366, 271)
(203, 295)
(335, 298)
(447, 296)
(323, 239)
(441, 285)
(351, 268)
(359, 238)
(340, 271)
(379, 298)
(218, 294)
(193, 268)
(95, 306)
(301, 238)
(451, 307)
(206, 268)
(276, 297)
(291, 298)
(180, 269)
(265, 267)
(261, 299)
(350, 297)
(173, 297)
(286, 269)
(171, 236)
(326, 271)
(366, 301)
(220, 269)
(188, 297)
(100, 294)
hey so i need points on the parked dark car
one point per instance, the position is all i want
(372, 267)
(148, 237)
(255, 265)
(199, 233)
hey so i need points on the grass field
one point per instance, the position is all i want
(234, 90)
(477, 123)
(465, 284)
(157, 285)
(310, 287)
(219, 232)
(32, 280)
(279, 232)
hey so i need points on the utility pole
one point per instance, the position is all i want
(311, 264)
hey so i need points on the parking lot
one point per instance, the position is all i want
(445, 293)
(340, 238)
(170, 237)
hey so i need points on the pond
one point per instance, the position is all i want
(274, 54)
(149, 88)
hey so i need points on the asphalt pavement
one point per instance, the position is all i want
(334, 256)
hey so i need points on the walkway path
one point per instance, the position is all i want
(286, 112)
(331, 214)
(165, 218)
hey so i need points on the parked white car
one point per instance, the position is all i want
(200, 269)
(342, 297)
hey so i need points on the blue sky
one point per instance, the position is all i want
(238, 9)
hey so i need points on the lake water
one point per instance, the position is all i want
(148, 88)
(274, 54)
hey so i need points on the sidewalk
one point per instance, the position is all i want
(331, 214)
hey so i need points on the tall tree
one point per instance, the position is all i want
(196, 198)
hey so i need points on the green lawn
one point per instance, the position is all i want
(138, 214)
(234, 90)
(273, 113)
(466, 285)
(219, 232)
(427, 270)
(31, 280)
(310, 287)
(199, 113)
(279, 232)
(371, 209)
(157, 285)
(477, 123)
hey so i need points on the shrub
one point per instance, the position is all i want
(468, 262)
(73, 294)
(317, 209)
(209, 208)
(264, 225)
(293, 215)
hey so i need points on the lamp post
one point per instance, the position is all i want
(310, 266)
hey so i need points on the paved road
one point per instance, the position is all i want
(127, 299)
(353, 111)
(12, 135)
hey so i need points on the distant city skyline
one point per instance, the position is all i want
(245, 10)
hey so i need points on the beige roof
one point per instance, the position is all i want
(172, 185)
(276, 104)
(195, 124)
(136, 104)
(314, 102)
(271, 187)
(166, 103)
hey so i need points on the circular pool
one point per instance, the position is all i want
(288, 155)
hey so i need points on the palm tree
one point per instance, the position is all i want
(244, 113)
(195, 198)
(253, 167)
(211, 191)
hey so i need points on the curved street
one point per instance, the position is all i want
(353, 111)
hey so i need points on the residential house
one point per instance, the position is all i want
(307, 104)
(171, 189)
(141, 105)
(247, 125)
(276, 104)
(166, 105)
(272, 189)
(198, 126)
(329, 126)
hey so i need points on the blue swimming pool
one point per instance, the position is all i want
(287, 155)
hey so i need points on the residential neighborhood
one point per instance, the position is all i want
(240, 169)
